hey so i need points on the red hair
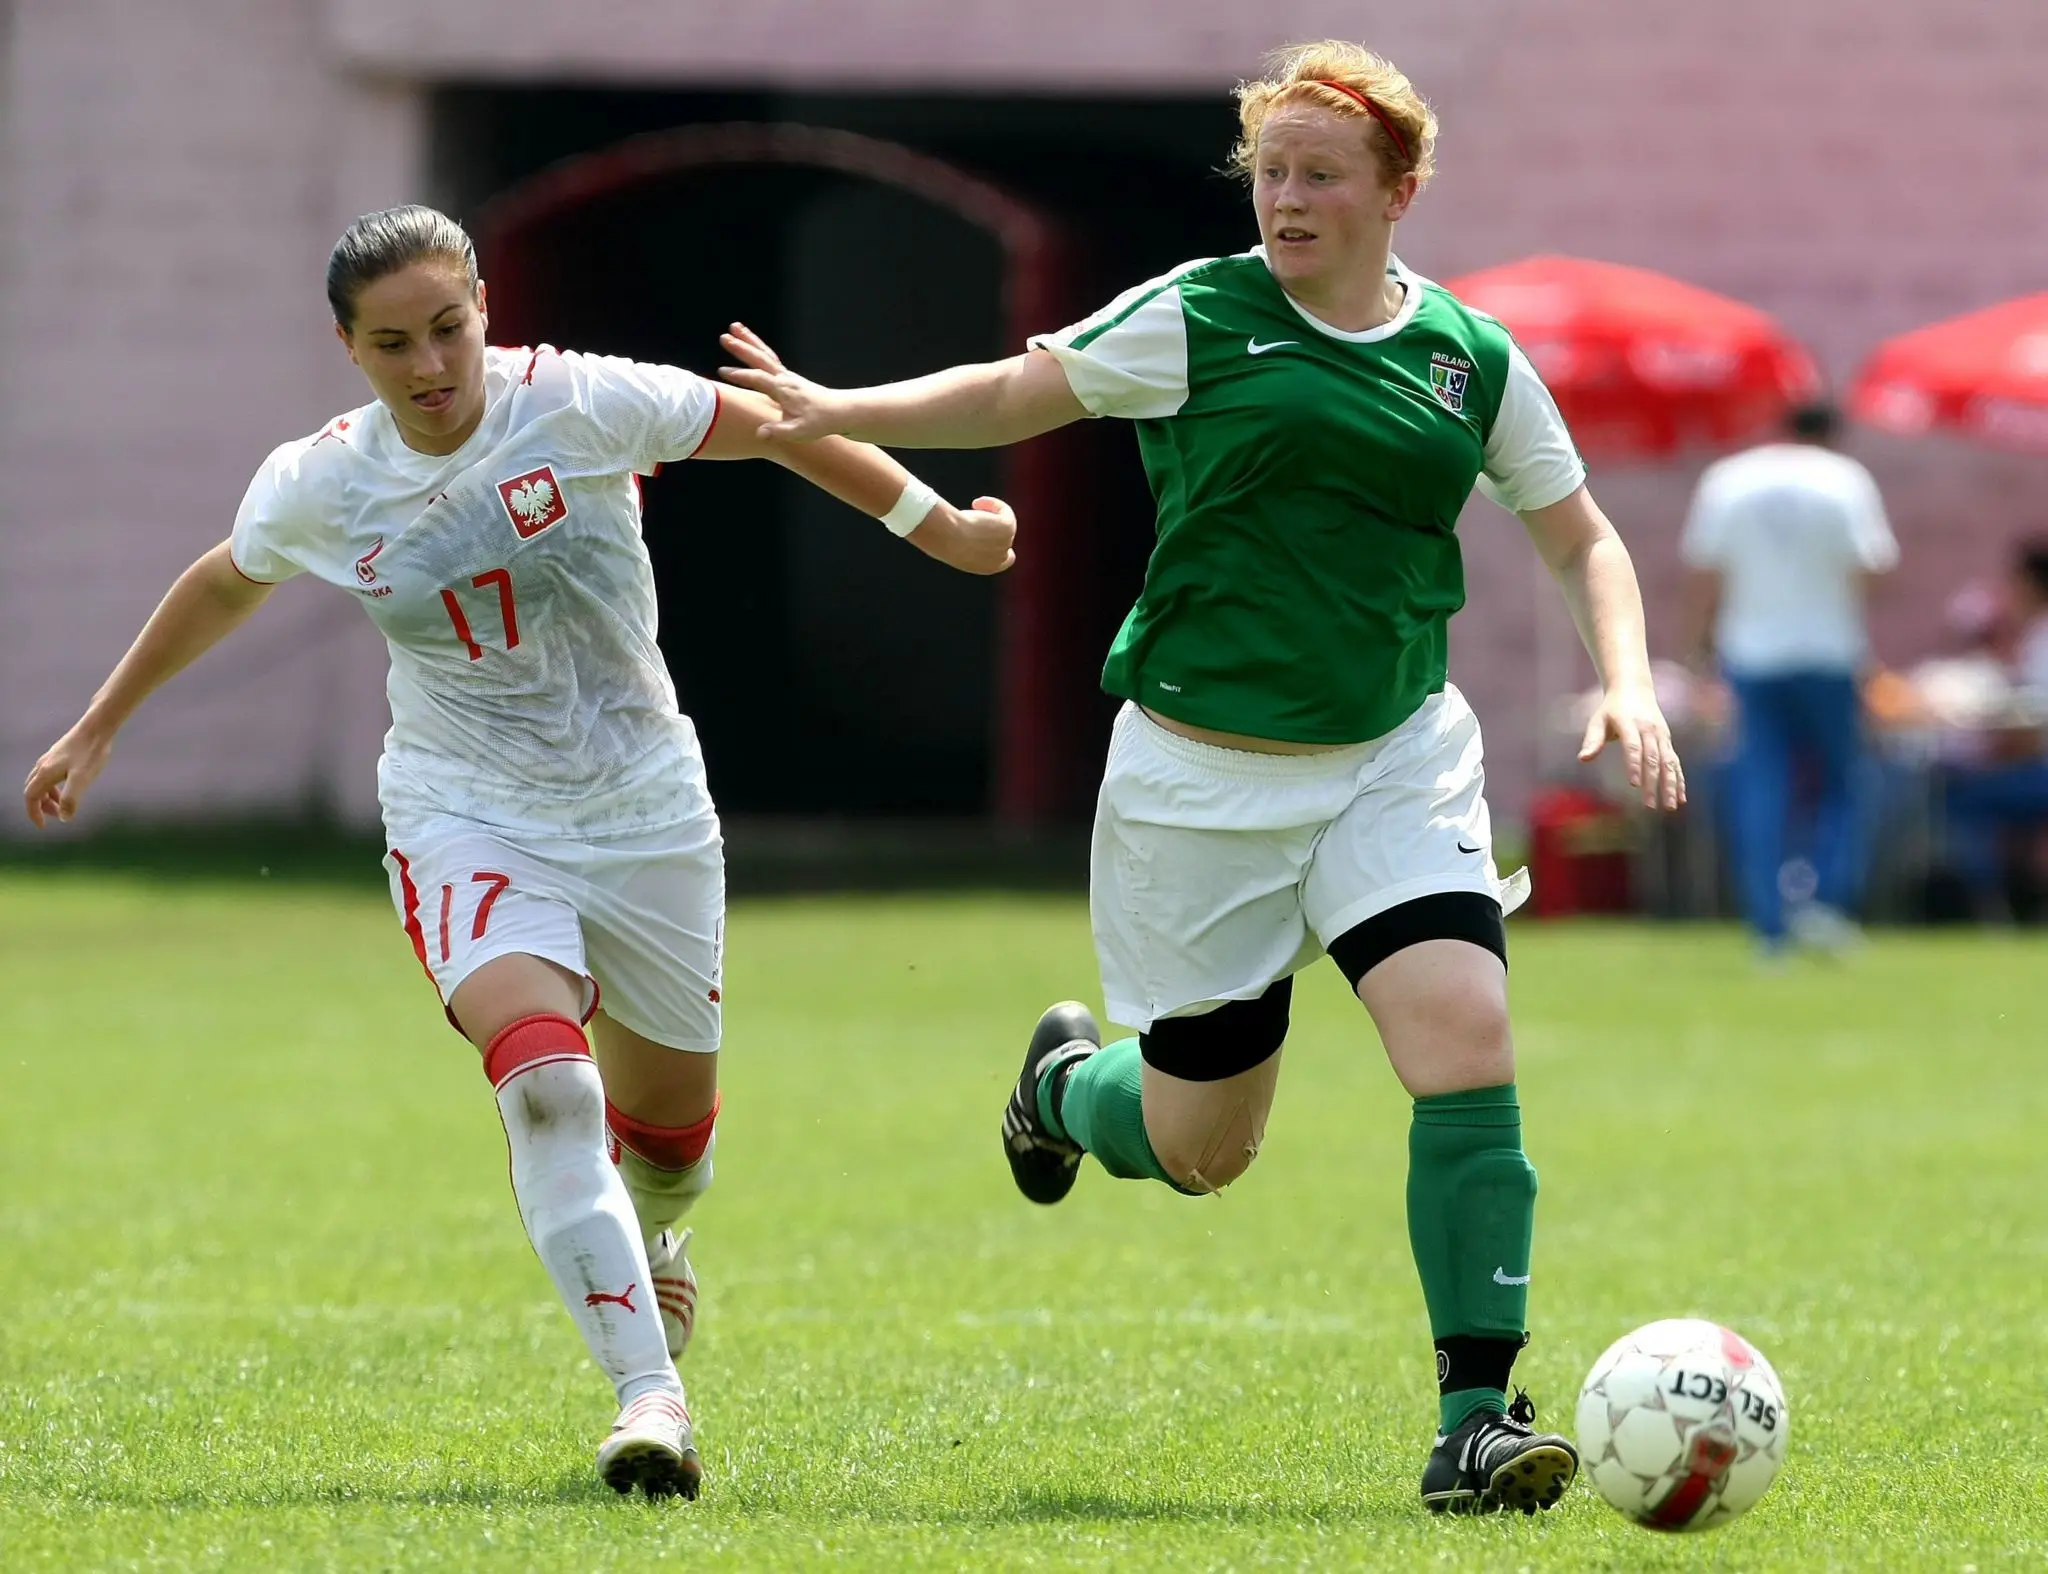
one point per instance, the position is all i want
(1346, 79)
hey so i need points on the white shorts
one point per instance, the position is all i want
(1217, 872)
(641, 917)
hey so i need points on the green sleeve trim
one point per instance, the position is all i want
(1081, 341)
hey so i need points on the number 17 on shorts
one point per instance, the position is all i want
(463, 902)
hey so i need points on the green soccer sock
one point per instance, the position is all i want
(1102, 1108)
(1471, 1220)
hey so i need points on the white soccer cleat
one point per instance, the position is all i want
(653, 1448)
(1824, 929)
(675, 1288)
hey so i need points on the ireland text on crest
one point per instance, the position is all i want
(1448, 384)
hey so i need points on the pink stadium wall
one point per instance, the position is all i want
(172, 177)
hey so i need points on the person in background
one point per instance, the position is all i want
(2004, 792)
(2030, 606)
(1781, 543)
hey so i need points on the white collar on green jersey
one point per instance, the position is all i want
(1411, 297)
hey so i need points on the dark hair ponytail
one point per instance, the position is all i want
(2032, 562)
(384, 242)
(1816, 421)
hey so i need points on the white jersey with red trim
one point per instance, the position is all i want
(511, 583)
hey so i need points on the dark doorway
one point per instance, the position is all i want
(831, 670)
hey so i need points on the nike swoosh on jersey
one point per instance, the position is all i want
(1253, 347)
(1501, 1276)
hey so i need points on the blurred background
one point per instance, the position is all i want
(886, 188)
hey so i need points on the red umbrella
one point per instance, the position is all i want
(1985, 374)
(1642, 364)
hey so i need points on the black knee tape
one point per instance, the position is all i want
(1236, 1036)
(1448, 915)
(1475, 1361)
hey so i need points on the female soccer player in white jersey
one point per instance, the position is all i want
(1292, 773)
(554, 853)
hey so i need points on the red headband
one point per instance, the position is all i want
(1372, 109)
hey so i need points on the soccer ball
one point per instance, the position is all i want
(1682, 1424)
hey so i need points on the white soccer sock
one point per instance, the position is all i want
(581, 1220)
(661, 1197)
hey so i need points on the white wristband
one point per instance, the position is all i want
(917, 501)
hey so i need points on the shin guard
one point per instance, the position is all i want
(1471, 1223)
(665, 1168)
(574, 1206)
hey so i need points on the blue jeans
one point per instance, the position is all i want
(1800, 735)
(1979, 801)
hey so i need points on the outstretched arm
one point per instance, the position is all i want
(1592, 567)
(985, 406)
(975, 540)
(209, 601)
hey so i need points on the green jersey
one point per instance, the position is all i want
(1308, 484)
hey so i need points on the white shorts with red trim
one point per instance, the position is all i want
(640, 917)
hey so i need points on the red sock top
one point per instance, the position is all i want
(665, 1147)
(532, 1041)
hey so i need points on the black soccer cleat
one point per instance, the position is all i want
(1043, 1165)
(1493, 1462)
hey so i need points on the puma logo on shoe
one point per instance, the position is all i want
(1501, 1276)
(599, 1298)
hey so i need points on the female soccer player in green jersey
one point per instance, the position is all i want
(1293, 773)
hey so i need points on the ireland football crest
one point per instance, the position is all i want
(1447, 382)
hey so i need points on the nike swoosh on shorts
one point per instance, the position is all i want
(1500, 1276)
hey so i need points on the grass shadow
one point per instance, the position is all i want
(1027, 1506)
(299, 852)
(765, 856)
(1051, 1506)
(571, 1488)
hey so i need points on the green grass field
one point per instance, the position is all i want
(264, 1302)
